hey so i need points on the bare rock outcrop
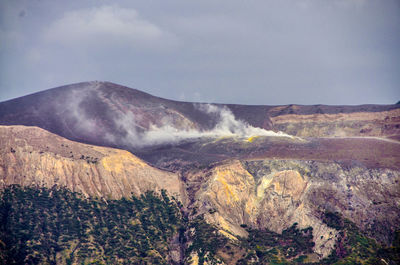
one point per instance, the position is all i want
(261, 193)
(33, 156)
(274, 194)
(381, 124)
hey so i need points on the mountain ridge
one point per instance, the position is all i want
(97, 112)
(106, 83)
(327, 176)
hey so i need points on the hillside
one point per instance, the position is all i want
(247, 184)
(33, 156)
(108, 114)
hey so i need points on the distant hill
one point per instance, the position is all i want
(108, 114)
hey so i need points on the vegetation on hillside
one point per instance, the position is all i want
(269, 247)
(57, 226)
(353, 247)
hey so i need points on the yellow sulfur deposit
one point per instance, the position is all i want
(222, 177)
(252, 138)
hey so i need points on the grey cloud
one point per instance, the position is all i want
(109, 26)
(262, 52)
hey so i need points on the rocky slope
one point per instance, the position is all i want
(259, 193)
(239, 167)
(382, 123)
(274, 194)
(371, 152)
(33, 156)
(108, 114)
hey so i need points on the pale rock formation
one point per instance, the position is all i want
(33, 156)
(275, 194)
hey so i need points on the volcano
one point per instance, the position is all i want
(298, 184)
(107, 114)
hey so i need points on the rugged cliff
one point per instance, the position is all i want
(255, 184)
(270, 193)
(274, 194)
(361, 123)
(33, 156)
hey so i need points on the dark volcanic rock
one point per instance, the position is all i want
(108, 114)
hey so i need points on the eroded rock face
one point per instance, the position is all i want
(382, 124)
(264, 193)
(32, 156)
(346, 158)
(274, 194)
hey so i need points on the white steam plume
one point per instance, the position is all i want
(227, 125)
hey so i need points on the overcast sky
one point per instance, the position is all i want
(249, 52)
